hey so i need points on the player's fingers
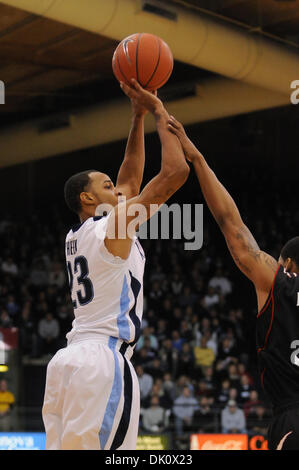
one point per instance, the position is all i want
(136, 85)
(127, 90)
(172, 129)
(175, 122)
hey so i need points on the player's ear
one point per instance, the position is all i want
(87, 198)
(289, 265)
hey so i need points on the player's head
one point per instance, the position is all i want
(289, 256)
(85, 191)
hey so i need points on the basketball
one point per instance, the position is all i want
(145, 57)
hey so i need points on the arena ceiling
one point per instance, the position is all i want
(48, 66)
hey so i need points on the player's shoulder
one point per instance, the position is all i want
(83, 227)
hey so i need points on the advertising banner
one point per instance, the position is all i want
(22, 441)
(151, 442)
(227, 442)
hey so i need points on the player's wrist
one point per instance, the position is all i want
(138, 115)
(160, 112)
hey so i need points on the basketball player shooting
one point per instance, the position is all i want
(92, 393)
(277, 289)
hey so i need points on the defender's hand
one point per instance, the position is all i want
(190, 151)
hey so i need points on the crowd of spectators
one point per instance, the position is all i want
(195, 359)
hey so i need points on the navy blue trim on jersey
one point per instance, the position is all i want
(76, 227)
(135, 286)
(125, 417)
(140, 249)
(123, 348)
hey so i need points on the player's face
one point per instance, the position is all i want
(103, 189)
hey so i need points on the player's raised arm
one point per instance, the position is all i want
(174, 172)
(130, 174)
(257, 265)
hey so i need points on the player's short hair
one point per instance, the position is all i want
(74, 187)
(291, 250)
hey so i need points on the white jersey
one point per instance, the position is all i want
(106, 291)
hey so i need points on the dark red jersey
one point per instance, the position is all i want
(277, 336)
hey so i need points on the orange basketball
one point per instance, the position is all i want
(145, 57)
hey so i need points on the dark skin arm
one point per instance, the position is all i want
(257, 265)
(130, 174)
(174, 172)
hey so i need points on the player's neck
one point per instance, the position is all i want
(84, 216)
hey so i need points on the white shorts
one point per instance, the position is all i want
(92, 399)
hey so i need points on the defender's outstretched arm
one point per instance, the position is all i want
(257, 265)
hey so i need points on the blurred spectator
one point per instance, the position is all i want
(177, 341)
(145, 383)
(12, 306)
(7, 400)
(253, 401)
(183, 410)
(226, 351)
(233, 419)
(5, 320)
(208, 378)
(152, 340)
(244, 389)
(233, 376)
(187, 297)
(241, 368)
(155, 295)
(9, 267)
(204, 356)
(145, 355)
(204, 418)
(221, 282)
(155, 369)
(222, 396)
(258, 420)
(26, 327)
(211, 339)
(154, 418)
(168, 356)
(157, 274)
(176, 318)
(233, 394)
(48, 333)
(38, 275)
(157, 390)
(201, 328)
(168, 387)
(176, 284)
(185, 331)
(182, 382)
(211, 298)
(57, 276)
(161, 331)
(186, 361)
(201, 389)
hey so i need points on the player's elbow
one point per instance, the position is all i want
(176, 176)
